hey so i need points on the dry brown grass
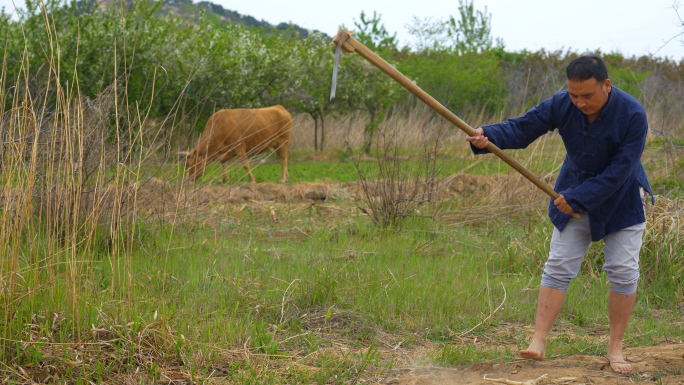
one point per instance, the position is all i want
(662, 256)
(411, 127)
(470, 198)
(665, 218)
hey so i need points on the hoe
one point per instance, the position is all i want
(345, 41)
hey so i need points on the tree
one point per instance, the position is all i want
(369, 89)
(313, 94)
(680, 35)
(373, 34)
(366, 87)
(430, 34)
(471, 32)
(456, 61)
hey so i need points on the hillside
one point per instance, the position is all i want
(190, 10)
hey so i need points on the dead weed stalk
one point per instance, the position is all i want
(395, 186)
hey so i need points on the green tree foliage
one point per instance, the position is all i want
(470, 32)
(471, 80)
(369, 89)
(454, 61)
(623, 75)
(312, 93)
(366, 87)
(370, 32)
(192, 65)
(212, 67)
(429, 34)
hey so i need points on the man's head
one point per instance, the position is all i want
(588, 84)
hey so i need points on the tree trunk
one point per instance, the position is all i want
(315, 119)
(322, 115)
(371, 129)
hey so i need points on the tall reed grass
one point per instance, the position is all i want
(75, 203)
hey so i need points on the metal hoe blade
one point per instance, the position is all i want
(337, 64)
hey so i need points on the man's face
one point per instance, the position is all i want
(589, 95)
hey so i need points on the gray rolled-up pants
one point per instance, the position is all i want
(568, 247)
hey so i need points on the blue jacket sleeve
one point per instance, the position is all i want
(595, 190)
(519, 132)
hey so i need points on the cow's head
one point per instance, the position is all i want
(194, 166)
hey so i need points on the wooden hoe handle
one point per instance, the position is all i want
(352, 45)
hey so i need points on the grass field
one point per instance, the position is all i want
(306, 292)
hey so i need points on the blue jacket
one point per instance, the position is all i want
(602, 170)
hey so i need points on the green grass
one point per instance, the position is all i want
(539, 159)
(272, 292)
(290, 288)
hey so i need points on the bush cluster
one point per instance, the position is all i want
(196, 65)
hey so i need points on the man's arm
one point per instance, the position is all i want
(516, 133)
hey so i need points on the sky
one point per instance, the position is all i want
(631, 27)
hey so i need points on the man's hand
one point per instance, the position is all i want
(562, 205)
(479, 140)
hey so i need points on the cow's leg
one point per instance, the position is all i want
(282, 154)
(225, 172)
(242, 154)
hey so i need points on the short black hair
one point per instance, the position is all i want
(587, 67)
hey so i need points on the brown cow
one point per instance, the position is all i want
(242, 133)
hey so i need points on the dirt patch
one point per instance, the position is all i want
(204, 202)
(209, 194)
(458, 185)
(661, 364)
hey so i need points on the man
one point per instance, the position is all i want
(604, 132)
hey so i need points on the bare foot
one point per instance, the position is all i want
(535, 352)
(619, 365)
